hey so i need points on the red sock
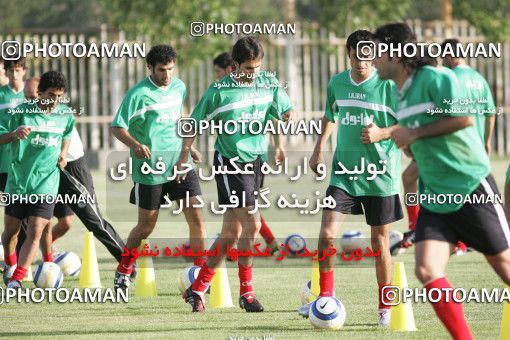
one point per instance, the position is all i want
(412, 213)
(48, 257)
(326, 283)
(126, 265)
(450, 313)
(203, 280)
(245, 274)
(199, 261)
(11, 260)
(462, 246)
(19, 274)
(265, 232)
(383, 299)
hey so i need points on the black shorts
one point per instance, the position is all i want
(481, 226)
(150, 197)
(62, 210)
(243, 184)
(25, 210)
(3, 180)
(377, 210)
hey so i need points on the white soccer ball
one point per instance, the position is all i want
(297, 244)
(327, 313)
(187, 277)
(396, 237)
(69, 263)
(351, 240)
(48, 275)
(307, 295)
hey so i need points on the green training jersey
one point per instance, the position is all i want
(9, 99)
(226, 100)
(354, 106)
(449, 164)
(150, 114)
(33, 168)
(478, 93)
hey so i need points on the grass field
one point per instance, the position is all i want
(166, 316)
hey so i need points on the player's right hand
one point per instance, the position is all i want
(181, 167)
(22, 132)
(315, 160)
(142, 151)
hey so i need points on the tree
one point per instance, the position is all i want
(169, 22)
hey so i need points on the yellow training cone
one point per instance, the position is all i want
(505, 321)
(402, 317)
(220, 289)
(146, 280)
(89, 274)
(315, 286)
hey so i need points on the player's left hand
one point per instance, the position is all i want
(62, 161)
(196, 156)
(488, 148)
(279, 156)
(371, 134)
(290, 116)
(403, 136)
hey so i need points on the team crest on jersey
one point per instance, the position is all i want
(45, 141)
(362, 119)
(256, 115)
(167, 117)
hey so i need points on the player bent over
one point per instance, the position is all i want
(451, 160)
(147, 123)
(364, 108)
(39, 135)
(250, 95)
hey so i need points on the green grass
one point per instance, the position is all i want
(166, 316)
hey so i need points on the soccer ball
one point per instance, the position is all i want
(48, 275)
(307, 295)
(69, 263)
(327, 313)
(297, 244)
(351, 240)
(187, 277)
(396, 237)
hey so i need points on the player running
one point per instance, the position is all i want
(223, 66)
(39, 135)
(147, 123)
(451, 160)
(249, 96)
(11, 95)
(363, 106)
(81, 185)
(476, 95)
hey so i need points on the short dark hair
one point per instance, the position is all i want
(224, 60)
(357, 36)
(13, 62)
(453, 43)
(52, 79)
(401, 33)
(161, 54)
(247, 48)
